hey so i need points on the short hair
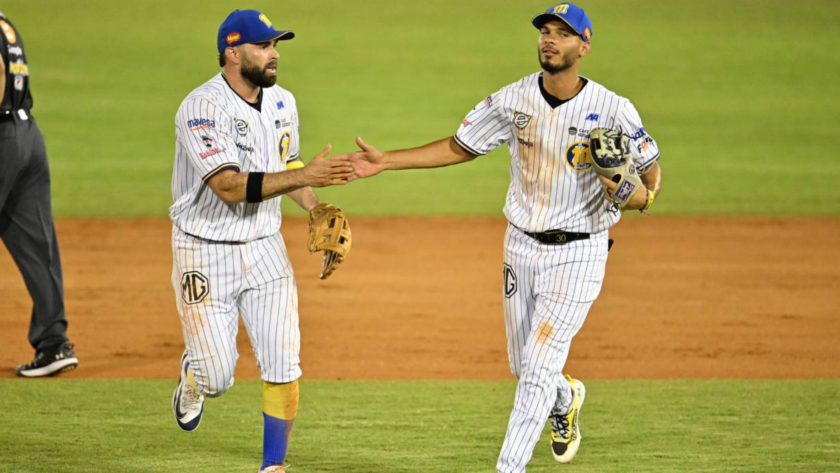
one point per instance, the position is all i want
(222, 59)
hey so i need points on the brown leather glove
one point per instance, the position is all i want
(329, 232)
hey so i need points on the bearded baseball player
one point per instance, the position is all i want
(577, 151)
(237, 152)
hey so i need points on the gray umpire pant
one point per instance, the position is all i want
(27, 228)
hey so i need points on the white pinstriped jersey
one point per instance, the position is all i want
(215, 129)
(553, 185)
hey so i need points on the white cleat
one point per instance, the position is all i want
(187, 402)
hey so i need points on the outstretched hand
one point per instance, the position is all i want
(367, 162)
(322, 172)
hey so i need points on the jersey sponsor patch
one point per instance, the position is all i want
(247, 149)
(593, 117)
(241, 126)
(199, 123)
(488, 101)
(11, 37)
(19, 68)
(282, 123)
(211, 152)
(15, 50)
(638, 134)
(521, 120)
(577, 155)
(194, 287)
(18, 82)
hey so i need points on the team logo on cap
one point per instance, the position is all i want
(586, 33)
(9, 32)
(561, 9)
(233, 37)
(265, 20)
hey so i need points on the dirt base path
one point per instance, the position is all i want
(420, 298)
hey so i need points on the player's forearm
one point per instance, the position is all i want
(232, 187)
(652, 179)
(433, 155)
(305, 197)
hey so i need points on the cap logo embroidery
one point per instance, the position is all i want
(586, 33)
(561, 9)
(233, 37)
(265, 20)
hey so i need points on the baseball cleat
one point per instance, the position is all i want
(565, 428)
(187, 402)
(49, 362)
(274, 469)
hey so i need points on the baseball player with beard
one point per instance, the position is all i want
(559, 212)
(237, 152)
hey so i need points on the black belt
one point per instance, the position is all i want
(12, 114)
(556, 237)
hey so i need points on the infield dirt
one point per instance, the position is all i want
(420, 298)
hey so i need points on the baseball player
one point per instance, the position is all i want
(237, 150)
(26, 222)
(559, 214)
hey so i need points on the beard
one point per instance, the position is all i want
(566, 61)
(257, 75)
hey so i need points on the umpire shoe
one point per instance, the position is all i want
(565, 428)
(50, 361)
(187, 402)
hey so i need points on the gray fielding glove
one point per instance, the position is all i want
(610, 150)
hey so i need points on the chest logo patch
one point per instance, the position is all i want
(283, 146)
(241, 126)
(521, 120)
(577, 155)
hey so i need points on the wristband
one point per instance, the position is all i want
(253, 190)
(649, 202)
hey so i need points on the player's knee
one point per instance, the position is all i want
(219, 386)
(216, 382)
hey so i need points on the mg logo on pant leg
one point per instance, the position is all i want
(194, 287)
(510, 281)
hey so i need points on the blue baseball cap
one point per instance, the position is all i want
(570, 14)
(248, 26)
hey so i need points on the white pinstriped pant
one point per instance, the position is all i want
(555, 285)
(214, 283)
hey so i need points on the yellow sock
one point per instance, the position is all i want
(279, 405)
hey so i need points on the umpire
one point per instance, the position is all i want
(26, 222)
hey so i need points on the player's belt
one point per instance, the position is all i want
(556, 237)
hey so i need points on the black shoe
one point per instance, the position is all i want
(50, 361)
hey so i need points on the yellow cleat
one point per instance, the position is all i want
(565, 428)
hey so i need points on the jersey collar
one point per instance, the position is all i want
(256, 106)
(553, 101)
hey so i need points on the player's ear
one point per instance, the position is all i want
(585, 48)
(233, 55)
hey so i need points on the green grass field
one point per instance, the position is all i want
(365, 427)
(741, 95)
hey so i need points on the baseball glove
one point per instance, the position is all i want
(610, 151)
(329, 232)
